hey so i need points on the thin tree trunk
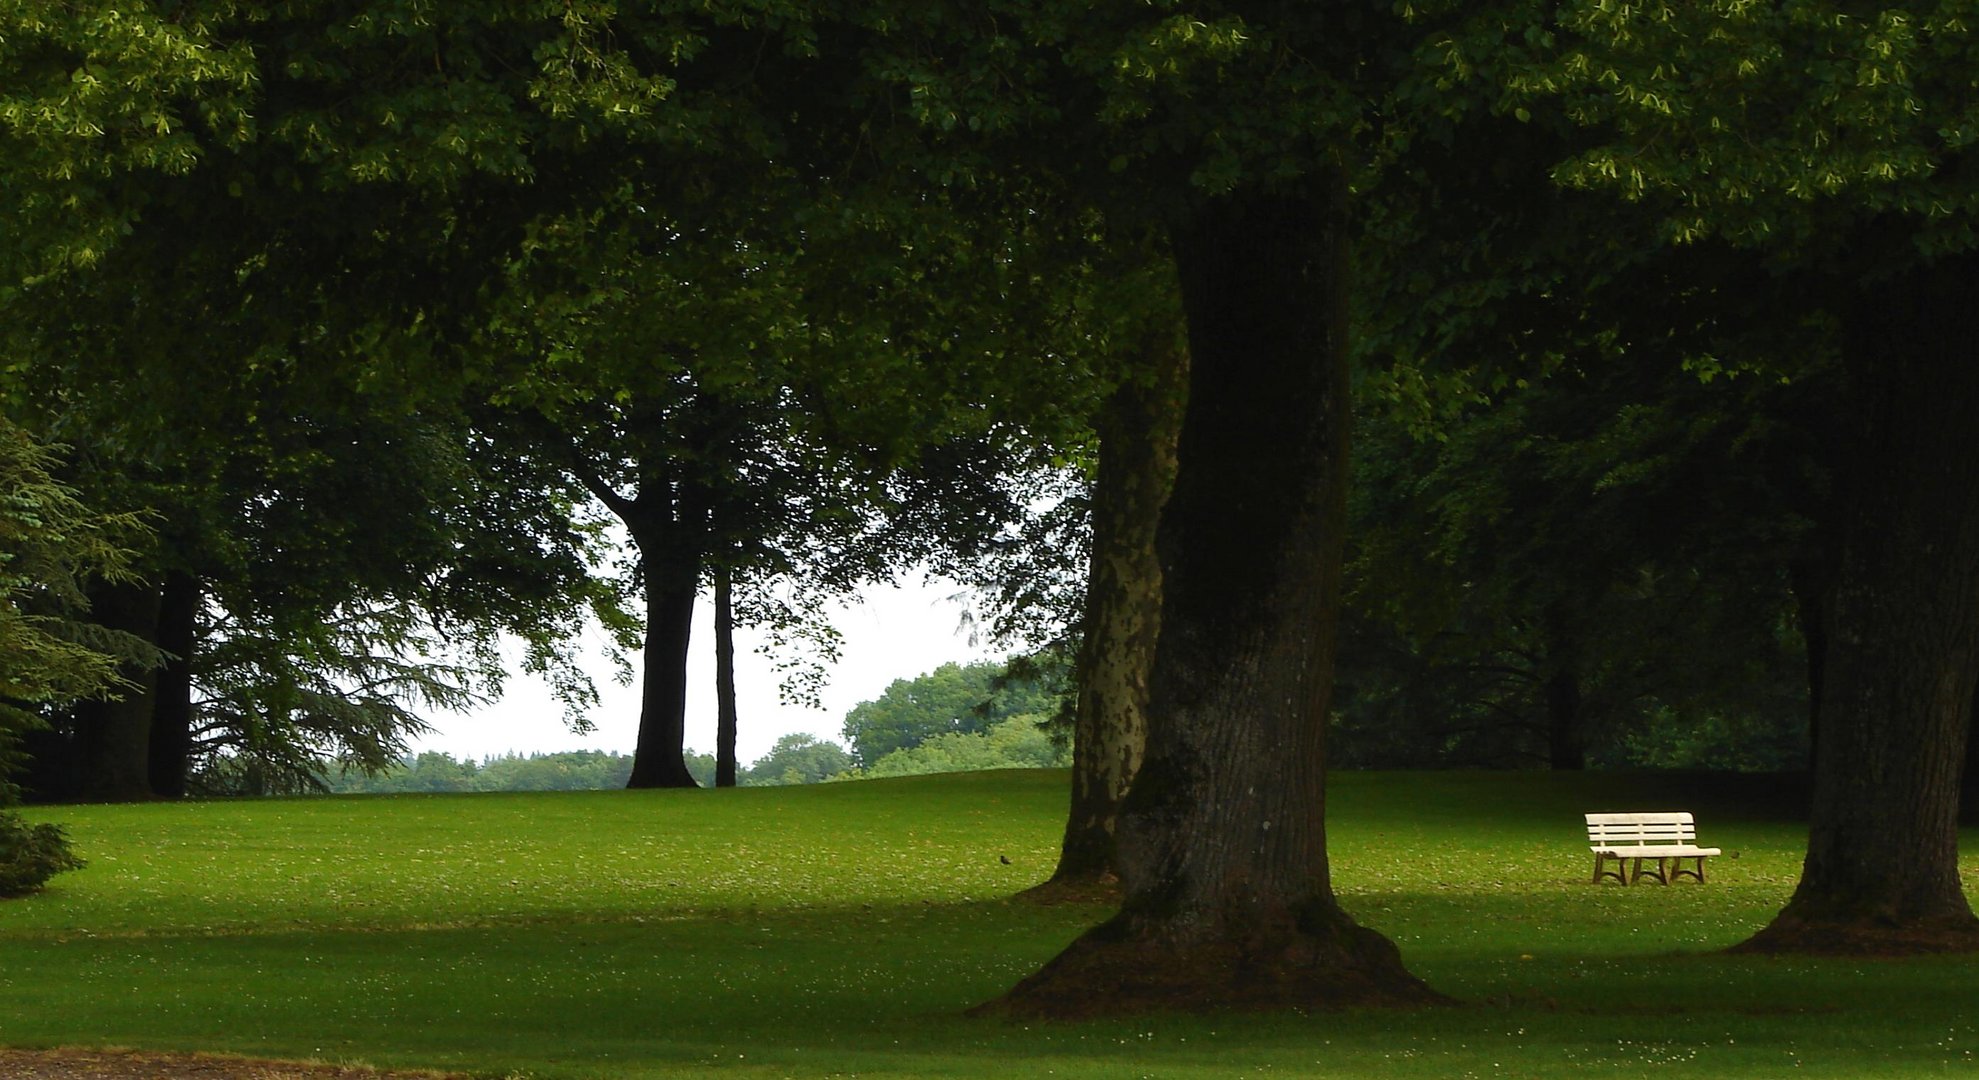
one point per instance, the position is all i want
(1222, 843)
(1566, 708)
(672, 579)
(1566, 745)
(1137, 432)
(1898, 682)
(171, 716)
(725, 711)
(114, 737)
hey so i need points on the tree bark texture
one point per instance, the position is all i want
(1137, 433)
(1881, 874)
(673, 576)
(1222, 843)
(114, 737)
(1809, 582)
(171, 715)
(1968, 797)
(725, 711)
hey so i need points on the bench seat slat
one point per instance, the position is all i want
(1652, 851)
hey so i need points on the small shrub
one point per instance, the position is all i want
(31, 854)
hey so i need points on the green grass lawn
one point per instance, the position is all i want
(841, 929)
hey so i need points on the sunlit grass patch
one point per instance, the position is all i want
(478, 859)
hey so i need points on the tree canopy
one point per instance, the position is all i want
(953, 699)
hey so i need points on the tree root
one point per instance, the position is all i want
(1113, 971)
(1791, 934)
(1075, 890)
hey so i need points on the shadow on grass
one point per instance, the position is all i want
(879, 990)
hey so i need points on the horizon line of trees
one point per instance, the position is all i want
(980, 715)
(1020, 742)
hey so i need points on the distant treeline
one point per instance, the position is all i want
(434, 770)
(796, 759)
(957, 718)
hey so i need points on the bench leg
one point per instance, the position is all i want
(1661, 873)
(1697, 873)
(1617, 873)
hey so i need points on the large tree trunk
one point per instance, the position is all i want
(1809, 581)
(726, 717)
(1137, 432)
(1882, 859)
(1222, 843)
(672, 575)
(171, 715)
(1968, 798)
(114, 737)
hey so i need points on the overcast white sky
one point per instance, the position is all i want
(897, 632)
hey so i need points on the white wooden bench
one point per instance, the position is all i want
(1667, 838)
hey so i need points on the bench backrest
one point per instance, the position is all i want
(1614, 830)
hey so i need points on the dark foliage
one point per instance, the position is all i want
(31, 854)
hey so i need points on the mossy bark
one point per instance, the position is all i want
(1122, 615)
(1222, 842)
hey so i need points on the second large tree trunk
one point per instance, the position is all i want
(1222, 844)
(1137, 434)
(672, 576)
(114, 737)
(1881, 873)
